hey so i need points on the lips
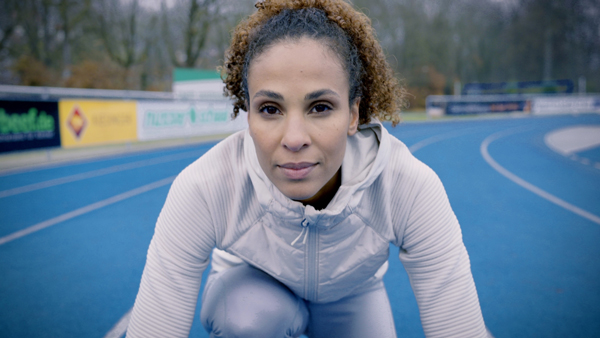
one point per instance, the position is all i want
(297, 171)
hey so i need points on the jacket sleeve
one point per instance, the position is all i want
(436, 260)
(178, 254)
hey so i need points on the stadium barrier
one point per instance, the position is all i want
(28, 125)
(164, 120)
(30, 93)
(566, 105)
(95, 122)
(43, 117)
(441, 105)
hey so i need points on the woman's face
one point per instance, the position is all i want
(300, 117)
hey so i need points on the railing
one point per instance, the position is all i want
(8, 92)
(539, 104)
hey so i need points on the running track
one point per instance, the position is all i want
(73, 237)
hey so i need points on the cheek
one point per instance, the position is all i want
(262, 147)
(334, 142)
(263, 143)
(257, 129)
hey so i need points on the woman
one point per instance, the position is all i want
(302, 206)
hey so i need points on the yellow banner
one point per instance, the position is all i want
(85, 122)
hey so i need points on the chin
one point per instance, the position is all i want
(298, 194)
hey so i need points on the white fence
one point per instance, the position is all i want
(537, 104)
(163, 120)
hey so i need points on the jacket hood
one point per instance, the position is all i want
(367, 154)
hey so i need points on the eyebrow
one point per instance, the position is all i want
(310, 96)
(270, 94)
(318, 93)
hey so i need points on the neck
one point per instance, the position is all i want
(322, 198)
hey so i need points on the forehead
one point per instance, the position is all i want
(304, 59)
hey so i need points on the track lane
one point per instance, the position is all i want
(76, 279)
(18, 178)
(530, 259)
(534, 189)
(533, 262)
(98, 172)
(531, 160)
(60, 199)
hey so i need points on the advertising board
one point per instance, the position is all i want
(566, 105)
(524, 87)
(93, 122)
(28, 125)
(163, 120)
(197, 84)
(463, 108)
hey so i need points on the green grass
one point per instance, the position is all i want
(414, 115)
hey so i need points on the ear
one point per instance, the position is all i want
(247, 110)
(250, 120)
(354, 114)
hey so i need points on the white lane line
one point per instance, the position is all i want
(573, 139)
(86, 209)
(120, 327)
(96, 173)
(546, 195)
(570, 140)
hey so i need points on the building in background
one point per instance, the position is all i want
(197, 84)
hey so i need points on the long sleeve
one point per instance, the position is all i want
(436, 260)
(178, 254)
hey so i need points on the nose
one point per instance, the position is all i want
(295, 134)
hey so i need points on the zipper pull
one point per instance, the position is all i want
(304, 232)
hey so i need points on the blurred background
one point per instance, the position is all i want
(435, 46)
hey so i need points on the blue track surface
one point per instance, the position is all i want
(536, 264)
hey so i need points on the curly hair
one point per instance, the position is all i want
(346, 31)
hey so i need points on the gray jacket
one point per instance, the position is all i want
(225, 201)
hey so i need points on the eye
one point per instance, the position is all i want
(320, 108)
(268, 110)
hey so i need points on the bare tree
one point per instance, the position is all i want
(37, 18)
(430, 43)
(72, 13)
(196, 16)
(119, 30)
(9, 16)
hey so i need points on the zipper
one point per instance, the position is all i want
(312, 259)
